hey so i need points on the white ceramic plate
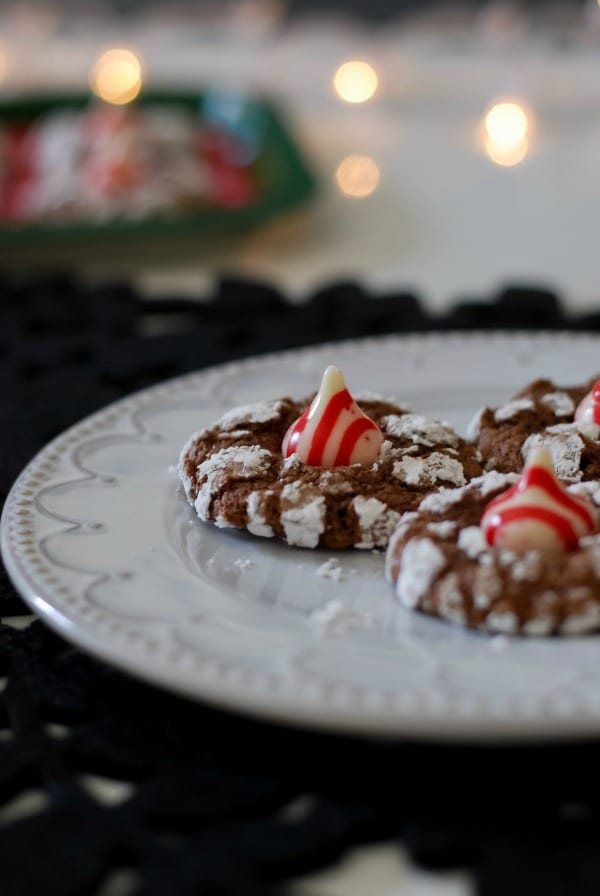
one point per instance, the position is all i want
(99, 540)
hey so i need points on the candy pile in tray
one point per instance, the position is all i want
(106, 162)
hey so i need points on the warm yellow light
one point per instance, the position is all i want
(117, 76)
(357, 176)
(355, 82)
(506, 124)
(506, 131)
(506, 155)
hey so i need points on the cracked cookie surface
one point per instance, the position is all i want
(542, 413)
(234, 474)
(440, 563)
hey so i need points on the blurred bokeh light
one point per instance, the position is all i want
(506, 155)
(506, 126)
(357, 176)
(355, 81)
(116, 76)
(506, 123)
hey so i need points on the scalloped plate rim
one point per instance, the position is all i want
(262, 700)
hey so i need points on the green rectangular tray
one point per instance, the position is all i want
(283, 177)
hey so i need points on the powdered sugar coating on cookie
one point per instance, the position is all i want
(376, 522)
(432, 469)
(561, 404)
(421, 563)
(507, 411)
(472, 541)
(243, 462)
(445, 528)
(234, 474)
(302, 514)
(565, 446)
(442, 500)
(535, 593)
(420, 430)
(541, 413)
(258, 412)
(256, 509)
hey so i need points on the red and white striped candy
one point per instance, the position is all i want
(588, 409)
(538, 512)
(333, 431)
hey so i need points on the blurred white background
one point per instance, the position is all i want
(420, 186)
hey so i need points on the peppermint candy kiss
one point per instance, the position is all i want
(538, 512)
(588, 409)
(333, 431)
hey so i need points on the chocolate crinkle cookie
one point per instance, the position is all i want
(234, 473)
(440, 562)
(540, 414)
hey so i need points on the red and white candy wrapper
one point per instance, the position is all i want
(333, 431)
(538, 513)
(588, 409)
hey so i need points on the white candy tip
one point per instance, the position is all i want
(332, 381)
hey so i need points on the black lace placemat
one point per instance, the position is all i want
(214, 803)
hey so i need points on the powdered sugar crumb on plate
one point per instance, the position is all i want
(335, 620)
(243, 563)
(331, 570)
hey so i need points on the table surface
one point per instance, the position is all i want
(83, 729)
